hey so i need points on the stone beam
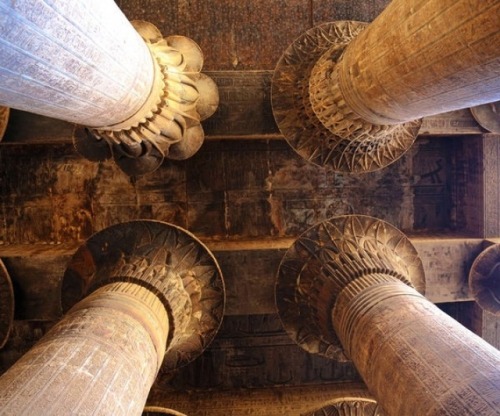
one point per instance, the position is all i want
(241, 94)
(249, 289)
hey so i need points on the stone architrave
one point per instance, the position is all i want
(140, 95)
(350, 95)
(352, 288)
(149, 297)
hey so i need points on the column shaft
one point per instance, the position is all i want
(101, 359)
(423, 57)
(82, 62)
(414, 358)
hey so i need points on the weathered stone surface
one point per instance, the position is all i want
(253, 351)
(485, 324)
(244, 106)
(163, 14)
(234, 35)
(447, 263)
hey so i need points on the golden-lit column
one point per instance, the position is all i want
(351, 288)
(153, 298)
(354, 91)
(141, 95)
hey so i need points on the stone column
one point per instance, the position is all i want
(148, 295)
(351, 288)
(85, 63)
(360, 87)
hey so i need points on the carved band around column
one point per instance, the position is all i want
(168, 125)
(314, 118)
(168, 261)
(324, 261)
(358, 298)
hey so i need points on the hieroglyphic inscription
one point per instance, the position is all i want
(255, 352)
(452, 123)
(86, 364)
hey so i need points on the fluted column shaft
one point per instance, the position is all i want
(78, 61)
(414, 358)
(421, 57)
(101, 359)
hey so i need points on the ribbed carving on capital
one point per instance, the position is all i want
(327, 258)
(158, 410)
(484, 279)
(314, 117)
(4, 119)
(169, 123)
(6, 305)
(167, 260)
(488, 116)
(349, 406)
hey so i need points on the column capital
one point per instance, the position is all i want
(165, 259)
(484, 279)
(488, 116)
(349, 406)
(314, 118)
(328, 258)
(6, 304)
(168, 125)
(4, 119)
